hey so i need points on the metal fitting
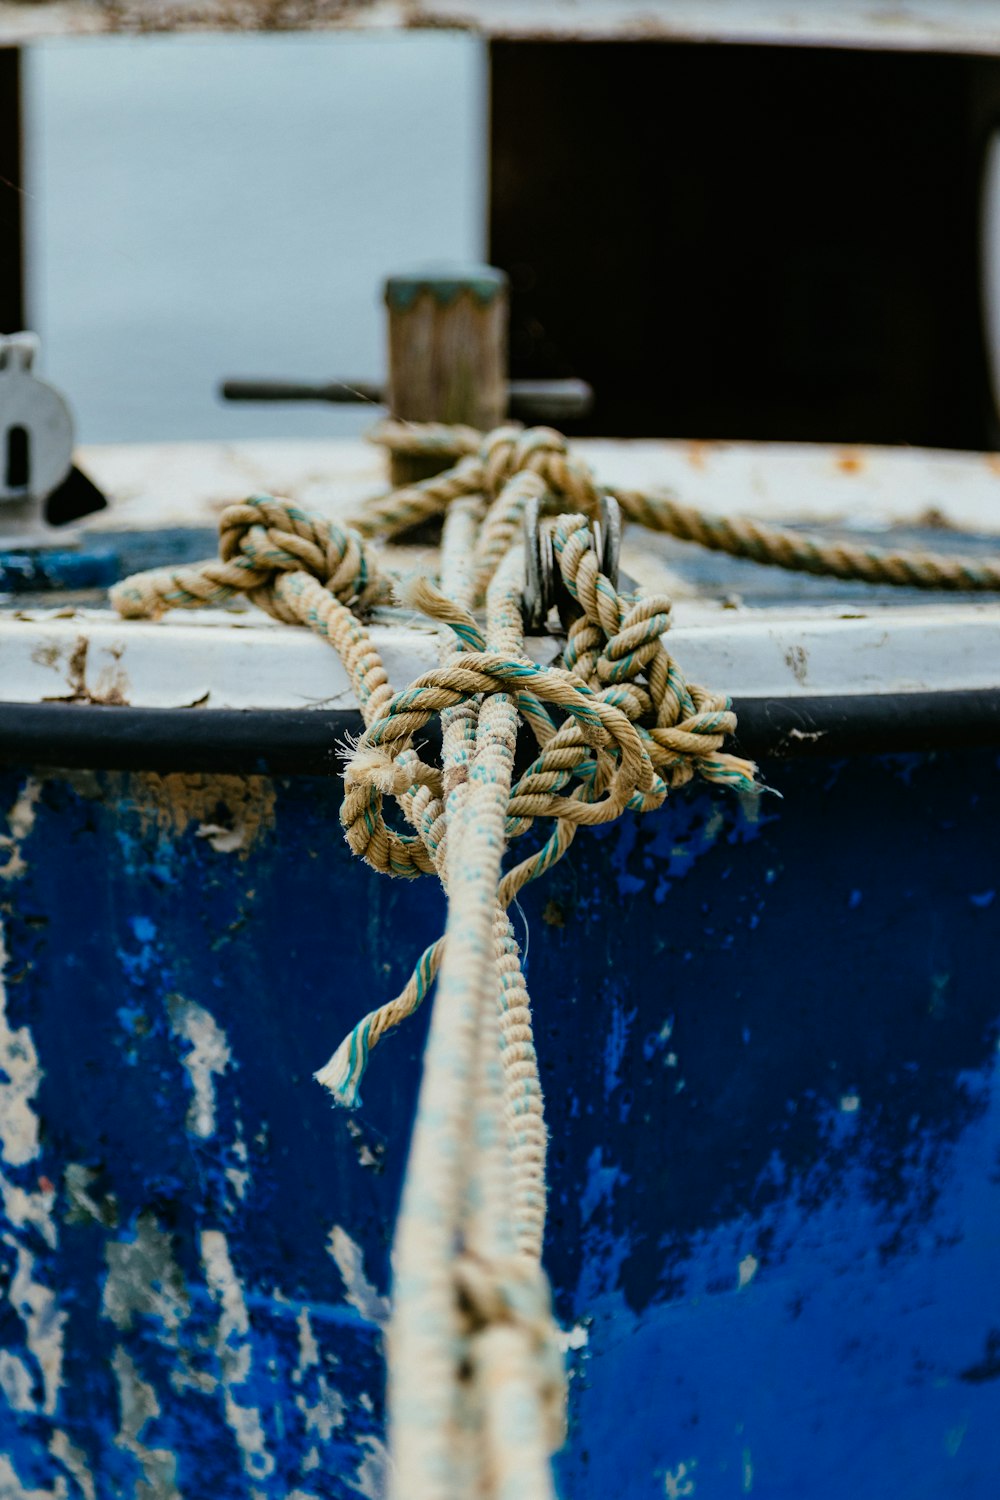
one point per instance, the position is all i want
(544, 588)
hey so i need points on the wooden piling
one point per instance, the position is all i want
(447, 354)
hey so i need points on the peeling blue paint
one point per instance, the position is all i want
(770, 1060)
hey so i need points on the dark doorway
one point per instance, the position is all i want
(744, 242)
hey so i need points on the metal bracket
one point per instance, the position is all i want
(40, 489)
(543, 585)
(36, 442)
(36, 429)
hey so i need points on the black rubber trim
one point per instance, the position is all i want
(309, 741)
(868, 723)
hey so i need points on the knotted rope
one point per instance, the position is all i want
(476, 1395)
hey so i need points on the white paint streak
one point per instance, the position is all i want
(225, 840)
(239, 1181)
(234, 1320)
(209, 1056)
(138, 1404)
(23, 1209)
(747, 1270)
(234, 1352)
(576, 1337)
(37, 1308)
(20, 821)
(679, 1482)
(359, 1292)
(186, 1379)
(74, 1461)
(143, 1278)
(20, 1077)
(325, 1414)
(245, 1424)
(11, 1487)
(239, 1177)
(308, 1347)
(16, 1382)
(372, 1478)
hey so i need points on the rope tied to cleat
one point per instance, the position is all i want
(476, 1389)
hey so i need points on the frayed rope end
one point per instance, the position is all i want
(371, 765)
(342, 1075)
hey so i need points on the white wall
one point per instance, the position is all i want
(207, 206)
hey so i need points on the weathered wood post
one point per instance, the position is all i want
(447, 354)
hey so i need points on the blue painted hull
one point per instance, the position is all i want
(768, 1036)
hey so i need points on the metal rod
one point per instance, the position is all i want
(529, 400)
(340, 393)
(549, 400)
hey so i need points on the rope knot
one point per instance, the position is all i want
(275, 554)
(543, 451)
(271, 537)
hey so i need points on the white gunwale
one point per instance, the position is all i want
(244, 660)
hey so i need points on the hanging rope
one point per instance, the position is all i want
(476, 1396)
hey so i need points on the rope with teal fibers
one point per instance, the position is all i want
(658, 510)
(476, 1396)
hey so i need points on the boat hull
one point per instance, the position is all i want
(768, 1038)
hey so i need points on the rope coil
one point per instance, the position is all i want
(476, 1388)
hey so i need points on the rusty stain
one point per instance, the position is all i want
(697, 454)
(798, 661)
(141, 17)
(934, 518)
(45, 654)
(553, 914)
(231, 812)
(237, 809)
(86, 783)
(112, 683)
(890, 28)
(77, 667)
(993, 462)
(850, 461)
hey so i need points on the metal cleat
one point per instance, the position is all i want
(36, 439)
(41, 490)
(544, 589)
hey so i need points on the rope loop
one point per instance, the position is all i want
(271, 536)
(261, 541)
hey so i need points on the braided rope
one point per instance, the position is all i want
(742, 537)
(739, 536)
(476, 1384)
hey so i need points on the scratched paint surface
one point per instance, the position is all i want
(769, 1039)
